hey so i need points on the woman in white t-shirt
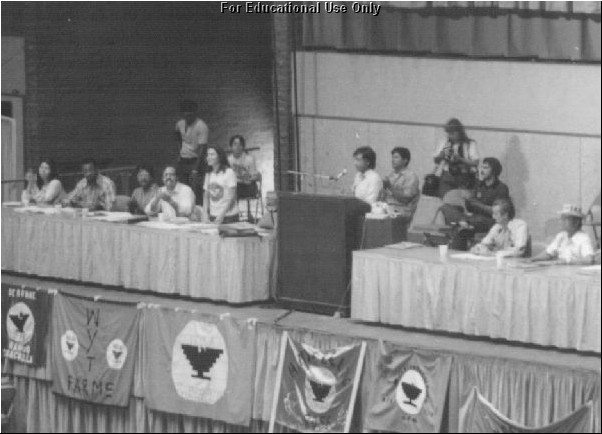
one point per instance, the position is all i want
(219, 204)
(43, 188)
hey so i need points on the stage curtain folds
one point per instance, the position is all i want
(528, 393)
(474, 32)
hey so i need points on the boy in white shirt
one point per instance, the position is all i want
(367, 185)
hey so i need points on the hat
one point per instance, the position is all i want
(571, 210)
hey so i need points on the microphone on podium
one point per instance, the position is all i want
(339, 175)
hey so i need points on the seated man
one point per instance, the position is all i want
(145, 192)
(478, 215)
(572, 245)
(508, 235)
(174, 198)
(95, 191)
(401, 185)
(367, 185)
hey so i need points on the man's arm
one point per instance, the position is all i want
(184, 207)
(75, 195)
(109, 196)
(408, 191)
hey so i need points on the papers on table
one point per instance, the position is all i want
(472, 257)
(590, 270)
(112, 216)
(203, 228)
(239, 226)
(404, 245)
(529, 266)
(38, 210)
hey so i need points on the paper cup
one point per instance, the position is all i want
(443, 252)
(499, 260)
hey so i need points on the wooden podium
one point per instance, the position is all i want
(316, 235)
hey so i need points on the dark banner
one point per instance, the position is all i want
(25, 320)
(318, 388)
(410, 391)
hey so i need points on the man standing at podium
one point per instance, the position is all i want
(367, 185)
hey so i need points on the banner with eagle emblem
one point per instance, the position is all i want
(410, 391)
(95, 343)
(479, 415)
(26, 312)
(316, 390)
(199, 365)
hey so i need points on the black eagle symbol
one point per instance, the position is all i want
(69, 345)
(117, 354)
(321, 391)
(201, 359)
(19, 320)
(411, 391)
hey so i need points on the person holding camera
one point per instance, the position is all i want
(457, 159)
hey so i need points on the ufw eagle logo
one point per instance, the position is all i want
(20, 323)
(199, 364)
(201, 359)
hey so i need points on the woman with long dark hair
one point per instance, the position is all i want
(457, 159)
(43, 188)
(219, 204)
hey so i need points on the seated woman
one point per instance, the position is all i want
(367, 185)
(572, 245)
(219, 204)
(45, 188)
(456, 158)
(145, 193)
(508, 235)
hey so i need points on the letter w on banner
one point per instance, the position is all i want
(410, 391)
(199, 365)
(478, 415)
(315, 390)
(94, 346)
(25, 318)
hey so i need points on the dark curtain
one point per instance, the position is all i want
(561, 32)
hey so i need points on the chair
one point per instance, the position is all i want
(8, 396)
(247, 193)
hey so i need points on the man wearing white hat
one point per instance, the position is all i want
(572, 245)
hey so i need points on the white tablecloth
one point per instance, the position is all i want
(555, 306)
(174, 262)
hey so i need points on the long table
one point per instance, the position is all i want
(556, 306)
(236, 270)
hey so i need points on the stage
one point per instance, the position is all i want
(531, 385)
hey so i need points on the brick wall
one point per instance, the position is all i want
(106, 79)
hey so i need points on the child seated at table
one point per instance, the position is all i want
(572, 245)
(508, 235)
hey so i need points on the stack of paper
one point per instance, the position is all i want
(472, 257)
(404, 245)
